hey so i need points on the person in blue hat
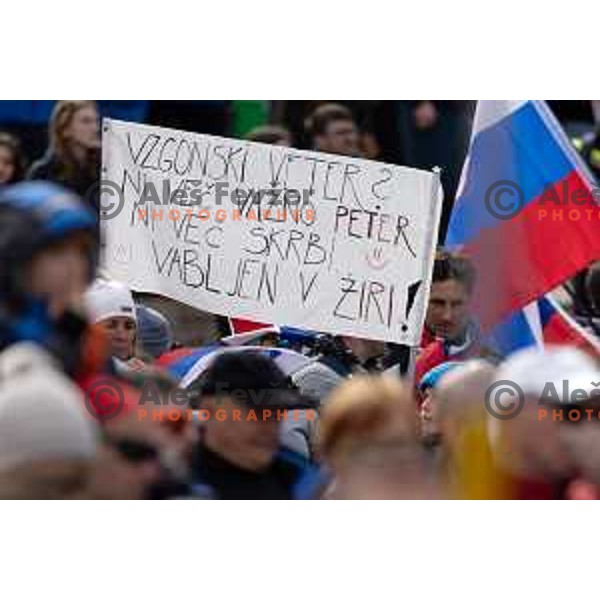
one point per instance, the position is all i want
(155, 332)
(430, 433)
(48, 256)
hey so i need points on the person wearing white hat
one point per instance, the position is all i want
(526, 440)
(47, 442)
(110, 304)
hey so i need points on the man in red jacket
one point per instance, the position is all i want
(449, 332)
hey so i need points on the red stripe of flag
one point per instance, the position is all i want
(535, 251)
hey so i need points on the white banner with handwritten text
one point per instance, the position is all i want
(323, 242)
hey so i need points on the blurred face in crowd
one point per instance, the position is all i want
(340, 137)
(60, 274)
(128, 460)
(83, 130)
(529, 446)
(402, 472)
(250, 444)
(46, 480)
(448, 310)
(582, 442)
(121, 332)
(7, 164)
(429, 419)
(456, 401)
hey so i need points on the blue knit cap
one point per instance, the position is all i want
(433, 376)
(154, 331)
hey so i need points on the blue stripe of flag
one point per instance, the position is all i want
(517, 149)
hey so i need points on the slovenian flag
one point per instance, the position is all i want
(526, 213)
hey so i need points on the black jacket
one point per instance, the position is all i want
(221, 480)
(81, 180)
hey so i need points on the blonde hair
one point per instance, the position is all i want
(366, 410)
(61, 118)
